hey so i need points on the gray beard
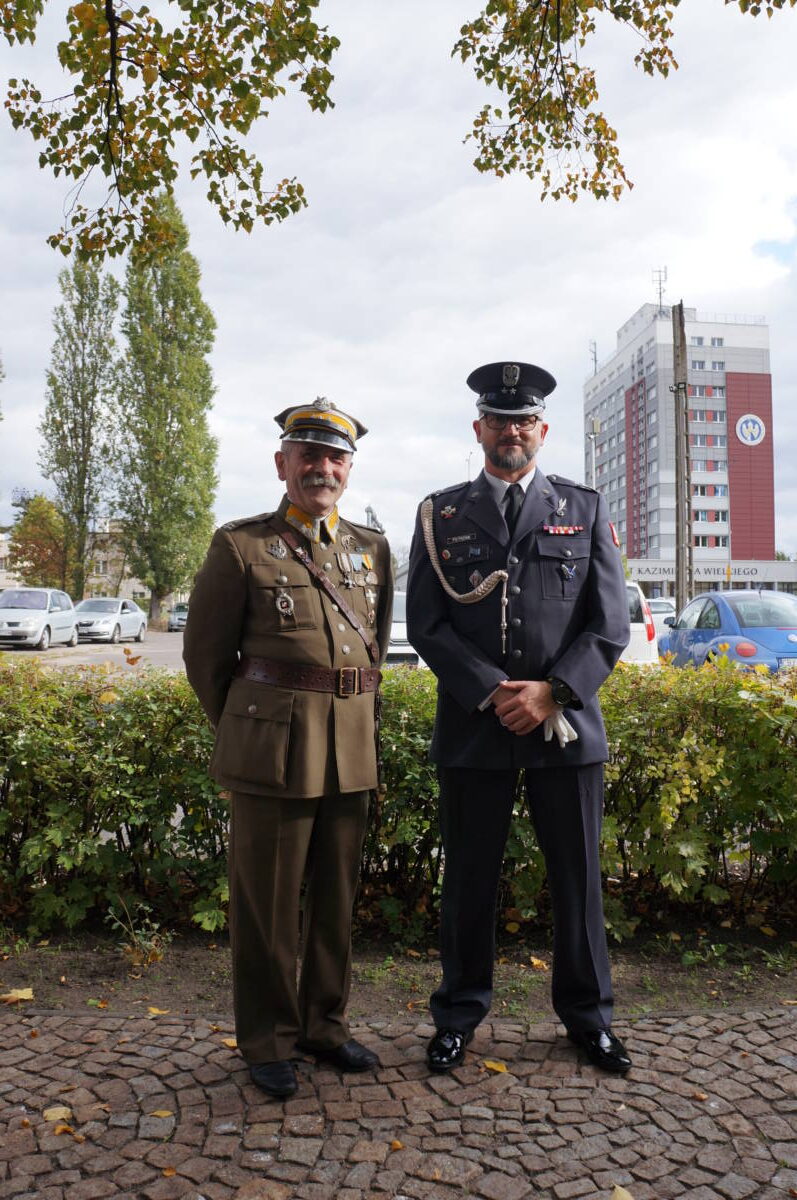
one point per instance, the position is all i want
(511, 460)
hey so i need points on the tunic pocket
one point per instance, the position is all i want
(253, 735)
(564, 563)
(281, 598)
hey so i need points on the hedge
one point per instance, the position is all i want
(105, 799)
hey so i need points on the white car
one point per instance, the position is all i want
(399, 649)
(109, 619)
(643, 646)
(31, 616)
(661, 607)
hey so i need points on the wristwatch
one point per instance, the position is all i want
(561, 692)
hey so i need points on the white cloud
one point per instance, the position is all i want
(409, 269)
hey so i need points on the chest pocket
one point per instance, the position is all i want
(564, 564)
(281, 597)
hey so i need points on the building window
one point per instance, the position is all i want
(698, 439)
(718, 364)
(719, 391)
(718, 341)
(695, 341)
(698, 364)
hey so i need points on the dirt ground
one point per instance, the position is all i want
(701, 970)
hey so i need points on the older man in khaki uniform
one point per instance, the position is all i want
(288, 622)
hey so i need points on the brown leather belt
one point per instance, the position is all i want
(341, 681)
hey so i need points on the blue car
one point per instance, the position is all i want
(748, 628)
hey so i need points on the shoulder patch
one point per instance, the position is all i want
(560, 481)
(247, 521)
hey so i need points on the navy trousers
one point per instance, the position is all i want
(566, 806)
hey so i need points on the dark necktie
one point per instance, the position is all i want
(514, 503)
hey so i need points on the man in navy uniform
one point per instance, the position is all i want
(516, 600)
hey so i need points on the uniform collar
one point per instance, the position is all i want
(499, 487)
(315, 529)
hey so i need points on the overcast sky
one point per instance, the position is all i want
(409, 269)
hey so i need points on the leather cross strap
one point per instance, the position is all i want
(340, 681)
(287, 535)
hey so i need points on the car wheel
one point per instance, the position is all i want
(44, 640)
(116, 635)
(73, 640)
(140, 634)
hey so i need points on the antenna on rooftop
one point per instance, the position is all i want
(593, 353)
(660, 278)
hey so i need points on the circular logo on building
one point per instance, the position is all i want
(750, 430)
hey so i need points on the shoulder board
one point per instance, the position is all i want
(454, 487)
(247, 521)
(362, 528)
(561, 482)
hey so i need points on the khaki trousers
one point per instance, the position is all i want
(275, 845)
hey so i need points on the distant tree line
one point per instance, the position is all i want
(124, 434)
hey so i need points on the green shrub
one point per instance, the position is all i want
(105, 800)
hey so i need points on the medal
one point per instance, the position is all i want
(284, 603)
(475, 578)
(568, 571)
(278, 549)
(371, 577)
(448, 511)
(561, 506)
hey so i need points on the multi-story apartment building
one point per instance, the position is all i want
(630, 449)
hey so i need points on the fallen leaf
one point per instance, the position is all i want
(59, 1112)
(132, 659)
(699, 1096)
(539, 964)
(413, 954)
(44, 942)
(493, 1065)
(25, 1123)
(788, 1001)
(162, 1112)
(231, 1042)
(620, 1193)
(726, 924)
(16, 995)
(97, 1003)
(78, 1137)
(768, 930)
(396, 1144)
(410, 1006)
(62, 980)
(59, 1129)
(157, 1012)
(169, 1171)
(33, 1033)
(511, 927)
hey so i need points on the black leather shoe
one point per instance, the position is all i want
(603, 1049)
(350, 1056)
(447, 1049)
(274, 1078)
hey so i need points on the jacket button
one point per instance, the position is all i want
(516, 621)
(517, 653)
(282, 579)
(327, 566)
(334, 608)
(252, 709)
(346, 649)
(513, 562)
(342, 628)
(568, 553)
(514, 590)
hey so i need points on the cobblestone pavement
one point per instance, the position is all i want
(162, 1107)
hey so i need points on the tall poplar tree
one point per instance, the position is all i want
(75, 429)
(165, 454)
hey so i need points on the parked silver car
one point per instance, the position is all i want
(177, 617)
(39, 617)
(109, 619)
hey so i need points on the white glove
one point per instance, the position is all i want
(558, 724)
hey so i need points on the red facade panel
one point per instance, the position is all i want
(751, 476)
(636, 496)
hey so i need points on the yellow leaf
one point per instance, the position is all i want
(699, 1096)
(157, 1012)
(78, 1137)
(396, 1144)
(16, 995)
(162, 1112)
(788, 1001)
(493, 1065)
(149, 75)
(539, 964)
(59, 1112)
(59, 1129)
(620, 1193)
(511, 927)
(107, 697)
(231, 1042)
(169, 1171)
(768, 930)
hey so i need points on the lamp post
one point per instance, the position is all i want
(593, 429)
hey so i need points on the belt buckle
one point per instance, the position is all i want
(345, 673)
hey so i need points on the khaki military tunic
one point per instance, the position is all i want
(252, 596)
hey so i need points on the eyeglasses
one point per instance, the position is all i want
(523, 421)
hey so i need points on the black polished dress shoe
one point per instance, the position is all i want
(447, 1049)
(274, 1078)
(603, 1049)
(350, 1056)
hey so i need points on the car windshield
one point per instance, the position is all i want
(765, 610)
(20, 599)
(635, 613)
(181, 608)
(99, 606)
